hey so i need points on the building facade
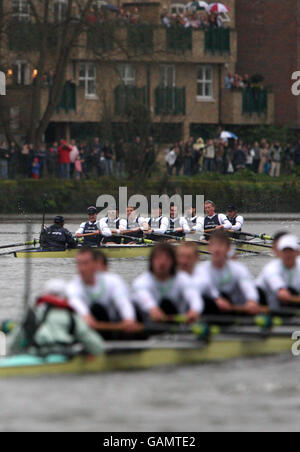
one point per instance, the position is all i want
(174, 74)
(269, 44)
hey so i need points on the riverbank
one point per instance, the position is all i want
(251, 193)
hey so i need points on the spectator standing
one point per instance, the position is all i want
(297, 154)
(25, 160)
(78, 167)
(63, 154)
(276, 156)
(135, 157)
(41, 154)
(35, 168)
(108, 153)
(149, 157)
(52, 160)
(227, 158)
(239, 159)
(170, 160)
(250, 154)
(289, 157)
(73, 156)
(102, 164)
(83, 157)
(187, 162)
(179, 151)
(209, 157)
(120, 158)
(198, 149)
(264, 157)
(219, 157)
(13, 160)
(256, 157)
(4, 157)
(229, 81)
(95, 162)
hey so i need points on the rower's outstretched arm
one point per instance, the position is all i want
(163, 227)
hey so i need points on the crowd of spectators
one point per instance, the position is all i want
(236, 81)
(230, 156)
(192, 19)
(98, 15)
(75, 160)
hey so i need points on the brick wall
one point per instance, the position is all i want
(268, 43)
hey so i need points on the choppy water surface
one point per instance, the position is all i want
(260, 394)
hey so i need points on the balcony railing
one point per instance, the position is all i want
(26, 37)
(255, 101)
(179, 39)
(101, 37)
(217, 40)
(127, 98)
(140, 38)
(169, 101)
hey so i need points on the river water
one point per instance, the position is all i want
(243, 395)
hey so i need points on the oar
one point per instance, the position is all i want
(245, 242)
(15, 245)
(203, 331)
(201, 242)
(10, 253)
(167, 236)
(140, 240)
(256, 236)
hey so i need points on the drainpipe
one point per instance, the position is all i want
(220, 94)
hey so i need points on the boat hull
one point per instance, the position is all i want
(134, 356)
(130, 251)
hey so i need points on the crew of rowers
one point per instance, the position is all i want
(175, 283)
(115, 230)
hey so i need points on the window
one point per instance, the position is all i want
(60, 10)
(177, 8)
(205, 82)
(21, 10)
(21, 72)
(127, 74)
(167, 78)
(87, 79)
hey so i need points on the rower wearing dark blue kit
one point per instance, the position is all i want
(56, 237)
(235, 219)
(90, 227)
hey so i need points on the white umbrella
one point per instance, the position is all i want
(203, 5)
(218, 8)
(198, 5)
(228, 135)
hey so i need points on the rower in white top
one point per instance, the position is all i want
(279, 281)
(212, 221)
(110, 224)
(132, 223)
(90, 231)
(99, 296)
(194, 221)
(164, 291)
(236, 220)
(226, 285)
(156, 224)
(178, 226)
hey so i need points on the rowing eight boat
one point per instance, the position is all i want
(132, 355)
(132, 251)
